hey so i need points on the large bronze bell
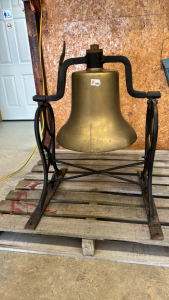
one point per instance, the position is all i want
(95, 123)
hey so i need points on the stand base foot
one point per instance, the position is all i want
(37, 214)
(154, 223)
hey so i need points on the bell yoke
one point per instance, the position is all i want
(96, 124)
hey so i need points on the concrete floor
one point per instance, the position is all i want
(17, 140)
(34, 276)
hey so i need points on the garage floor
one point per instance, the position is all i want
(34, 276)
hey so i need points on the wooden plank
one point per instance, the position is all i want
(0, 116)
(116, 152)
(80, 210)
(43, 249)
(121, 151)
(88, 246)
(41, 244)
(132, 170)
(97, 177)
(32, 21)
(29, 185)
(84, 211)
(116, 251)
(119, 154)
(85, 197)
(101, 156)
(34, 47)
(78, 197)
(111, 163)
(79, 228)
(123, 188)
(119, 251)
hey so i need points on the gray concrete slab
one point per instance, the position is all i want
(17, 140)
(10, 161)
(29, 276)
(17, 135)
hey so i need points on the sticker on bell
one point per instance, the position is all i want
(95, 82)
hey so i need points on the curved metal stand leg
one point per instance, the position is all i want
(146, 175)
(48, 158)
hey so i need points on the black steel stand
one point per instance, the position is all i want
(48, 158)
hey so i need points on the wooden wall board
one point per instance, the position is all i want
(120, 28)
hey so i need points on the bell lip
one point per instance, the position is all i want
(102, 151)
(95, 70)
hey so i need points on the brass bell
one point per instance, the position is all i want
(95, 123)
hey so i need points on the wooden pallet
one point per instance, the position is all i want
(92, 208)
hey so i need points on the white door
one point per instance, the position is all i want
(16, 76)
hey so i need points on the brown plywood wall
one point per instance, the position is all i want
(135, 29)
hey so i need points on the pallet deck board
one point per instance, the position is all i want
(125, 188)
(98, 177)
(131, 171)
(78, 210)
(117, 251)
(125, 213)
(119, 154)
(82, 228)
(79, 197)
(85, 197)
(111, 163)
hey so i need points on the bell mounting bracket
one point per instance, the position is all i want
(93, 59)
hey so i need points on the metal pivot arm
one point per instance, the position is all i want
(129, 81)
(128, 71)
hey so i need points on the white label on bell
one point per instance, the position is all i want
(95, 82)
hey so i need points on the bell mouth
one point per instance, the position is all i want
(69, 138)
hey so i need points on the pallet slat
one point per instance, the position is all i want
(77, 210)
(120, 154)
(84, 211)
(84, 197)
(116, 251)
(131, 170)
(79, 197)
(97, 230)
(120, 162)
(123, 188)
(97, 177)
